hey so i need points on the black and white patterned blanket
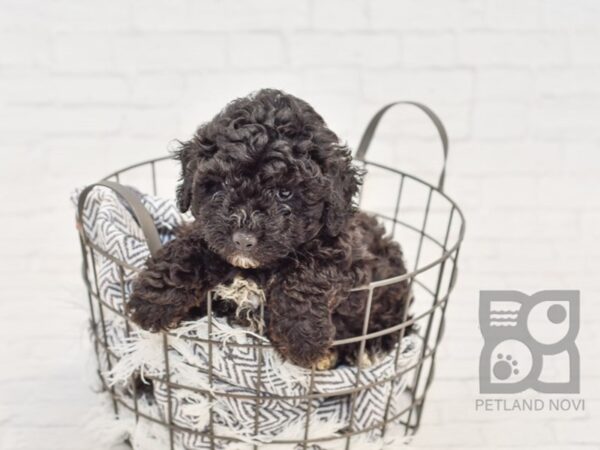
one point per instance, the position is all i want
(282, 410)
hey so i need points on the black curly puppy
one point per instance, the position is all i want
(271, 189)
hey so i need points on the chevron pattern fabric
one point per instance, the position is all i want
(220, 387)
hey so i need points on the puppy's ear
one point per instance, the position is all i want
(189, 156)
(344, 181)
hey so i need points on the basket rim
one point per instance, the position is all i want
(152, 161)
(374, 284)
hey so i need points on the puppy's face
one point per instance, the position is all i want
(264, 177)
(254, 212)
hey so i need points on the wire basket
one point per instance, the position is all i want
(426, 222)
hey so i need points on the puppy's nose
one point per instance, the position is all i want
(244, 241)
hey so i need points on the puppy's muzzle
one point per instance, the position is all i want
(244, 241)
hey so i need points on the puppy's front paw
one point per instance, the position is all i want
(328, 361)
(305, 342)
(150, 315)
(307, 354)
(366, 360)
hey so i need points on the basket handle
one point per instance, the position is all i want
(367, 136)
(138, 210)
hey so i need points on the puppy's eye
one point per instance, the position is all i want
(283, 194)
(212, 187)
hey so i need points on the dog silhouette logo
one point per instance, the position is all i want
(529, 341)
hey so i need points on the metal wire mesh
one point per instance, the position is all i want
(434, 225)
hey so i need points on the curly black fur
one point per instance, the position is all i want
(268, 166)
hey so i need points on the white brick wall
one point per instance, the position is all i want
(89, 86)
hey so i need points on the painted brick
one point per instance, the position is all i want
(179, 52)
(429, 50)
(328, 49)
(267, 50)
(88, 87)
(414, 15)
(515, 85)
(512, 49)
(340, 15)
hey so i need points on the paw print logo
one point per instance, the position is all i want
(525, 337)
(505, 367)
(510, 362)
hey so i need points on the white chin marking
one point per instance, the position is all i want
(243, 262)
